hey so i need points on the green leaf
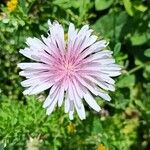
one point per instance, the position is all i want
(23, 6)
(140, 7)
(110, 25)
(128, 6)
(1, 146)
(140, 104)
(117, 48)
(146, 72)
(147, 52)
(97, 126)
(126, 81)
(103, 4)
(139, 38)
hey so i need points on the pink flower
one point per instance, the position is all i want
(73, 70)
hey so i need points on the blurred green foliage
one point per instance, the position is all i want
(124, 123)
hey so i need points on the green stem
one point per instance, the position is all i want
(136, 69)
(114, 24)
(31, 5)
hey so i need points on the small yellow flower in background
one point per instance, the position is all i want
(71, 128)
(101, 147)
(11, 5)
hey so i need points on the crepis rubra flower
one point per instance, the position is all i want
(74, 70)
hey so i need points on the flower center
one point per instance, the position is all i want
(69, 67)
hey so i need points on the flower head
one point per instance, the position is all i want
(73, 70)
(11, 5)
(101, 147)
(71, 128)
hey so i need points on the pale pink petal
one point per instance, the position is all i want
(36, 44)
(38, 88)
(71, 110)
(87, 85)
(67, 104)
(61, 96)
(105, 96)
(34, 66)
(51, 107)
(51, 97)
(91, 102)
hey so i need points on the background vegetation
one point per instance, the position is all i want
(124, 123)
